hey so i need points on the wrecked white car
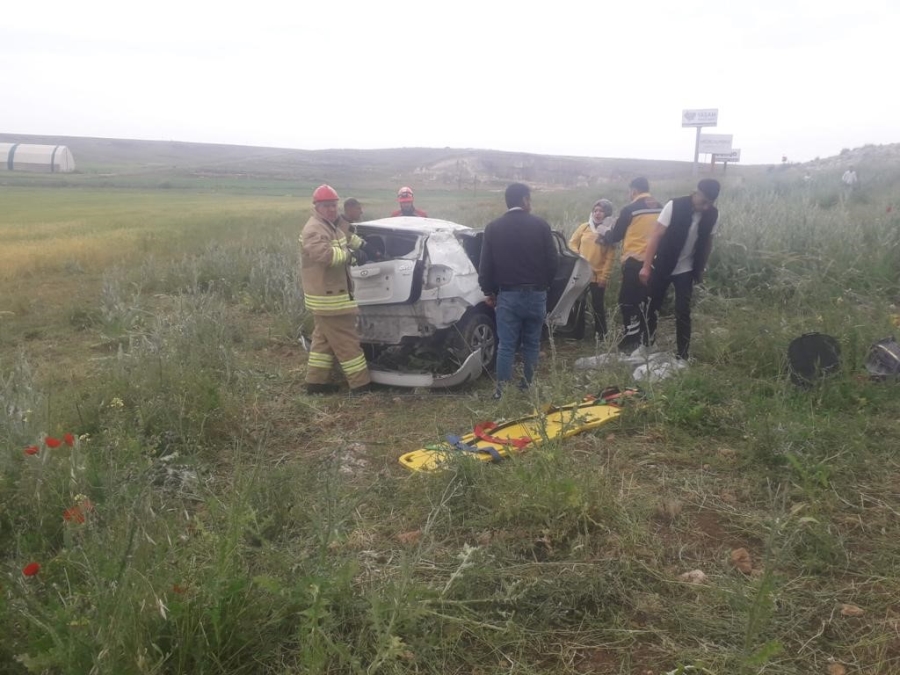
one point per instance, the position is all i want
(424, 321)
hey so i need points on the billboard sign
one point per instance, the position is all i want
(700, 117)
(733, 156)
(715, 144)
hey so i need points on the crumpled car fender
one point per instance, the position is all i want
(469, 371)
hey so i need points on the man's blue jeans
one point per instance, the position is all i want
(520, 316)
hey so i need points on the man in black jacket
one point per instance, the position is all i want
(678, 250)
(518, 263)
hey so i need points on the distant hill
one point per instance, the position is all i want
(868, 154)
(434, 167)
(133, 162)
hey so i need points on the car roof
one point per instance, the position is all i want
(415, 224)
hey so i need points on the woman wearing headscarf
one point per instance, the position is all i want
(587, 242)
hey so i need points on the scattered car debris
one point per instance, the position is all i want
(694, 577)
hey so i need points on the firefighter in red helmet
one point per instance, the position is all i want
(407, 208)
(327, 249)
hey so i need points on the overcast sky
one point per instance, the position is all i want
(801, 78)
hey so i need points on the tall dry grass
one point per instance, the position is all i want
(236, 525)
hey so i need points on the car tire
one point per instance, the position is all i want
(477, 329)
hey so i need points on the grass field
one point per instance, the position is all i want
(201, 514)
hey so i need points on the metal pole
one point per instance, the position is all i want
(696, 152)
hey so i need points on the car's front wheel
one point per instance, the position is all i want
(474, 331)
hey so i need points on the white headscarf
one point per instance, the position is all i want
(604, 225)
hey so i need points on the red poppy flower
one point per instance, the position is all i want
(180, 590)
(31, 569)
(52, 442)
(890, 208)
(32, 450)
(69, 440)
(73, 515)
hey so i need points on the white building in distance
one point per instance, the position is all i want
(36, 158)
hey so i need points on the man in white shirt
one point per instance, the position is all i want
(677, 254)
(850, 179)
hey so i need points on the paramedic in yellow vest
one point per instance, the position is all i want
(327, 248)
(587, 242)
(633, 227)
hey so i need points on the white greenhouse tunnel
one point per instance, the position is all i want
(39, 158)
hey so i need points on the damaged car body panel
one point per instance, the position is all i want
(395, 324)
(469, 371)
(421, 291)
(419, 299)
(391, 276)
(573, 277)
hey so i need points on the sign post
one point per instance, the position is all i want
(699, 118)
(716, 144)
(696, 152)
(733, 156)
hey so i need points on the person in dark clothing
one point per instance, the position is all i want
(353, 211)
(518, 264)
(633, 228)
(677, 254)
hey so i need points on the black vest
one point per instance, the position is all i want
(672, 242)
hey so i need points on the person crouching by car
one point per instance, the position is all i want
(327, 249)
(587, 241)
(518, 264)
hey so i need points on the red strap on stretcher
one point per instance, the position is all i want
(481, 431)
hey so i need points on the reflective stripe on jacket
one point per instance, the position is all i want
(635, 224)
(325, 266)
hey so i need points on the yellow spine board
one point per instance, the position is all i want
(539, 428)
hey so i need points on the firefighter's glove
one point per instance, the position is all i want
(359, 257)
(374, 251)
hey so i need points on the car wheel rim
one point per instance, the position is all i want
(483, 337)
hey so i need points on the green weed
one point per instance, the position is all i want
(238, 526)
